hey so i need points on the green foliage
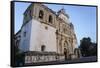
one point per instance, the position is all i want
(19, 57)
(87, 47)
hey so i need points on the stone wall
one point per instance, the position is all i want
(34, 57)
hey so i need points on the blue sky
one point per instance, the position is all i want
(82, 17)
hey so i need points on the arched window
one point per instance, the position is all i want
(43, 48)
(24, 34)
(41, 14)
(17, 43)
(50, 18)
(65, 44)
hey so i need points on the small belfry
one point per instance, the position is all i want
(46, 35)
(63, 15)
(62, 11)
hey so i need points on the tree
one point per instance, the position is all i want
(87, 47)
(19, 57)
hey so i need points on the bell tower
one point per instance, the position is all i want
(62, 14)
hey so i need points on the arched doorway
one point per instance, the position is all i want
(66, 50)
(43, 48)
(66, 53)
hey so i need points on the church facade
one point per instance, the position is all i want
(46, 35)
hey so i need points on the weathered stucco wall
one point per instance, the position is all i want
(42, 34)
(25, 40)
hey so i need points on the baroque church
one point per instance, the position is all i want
(46, 35)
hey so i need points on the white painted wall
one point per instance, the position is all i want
(41, 36)
(36, 36)
(25, 41)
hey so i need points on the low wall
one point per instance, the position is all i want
(33, 57)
